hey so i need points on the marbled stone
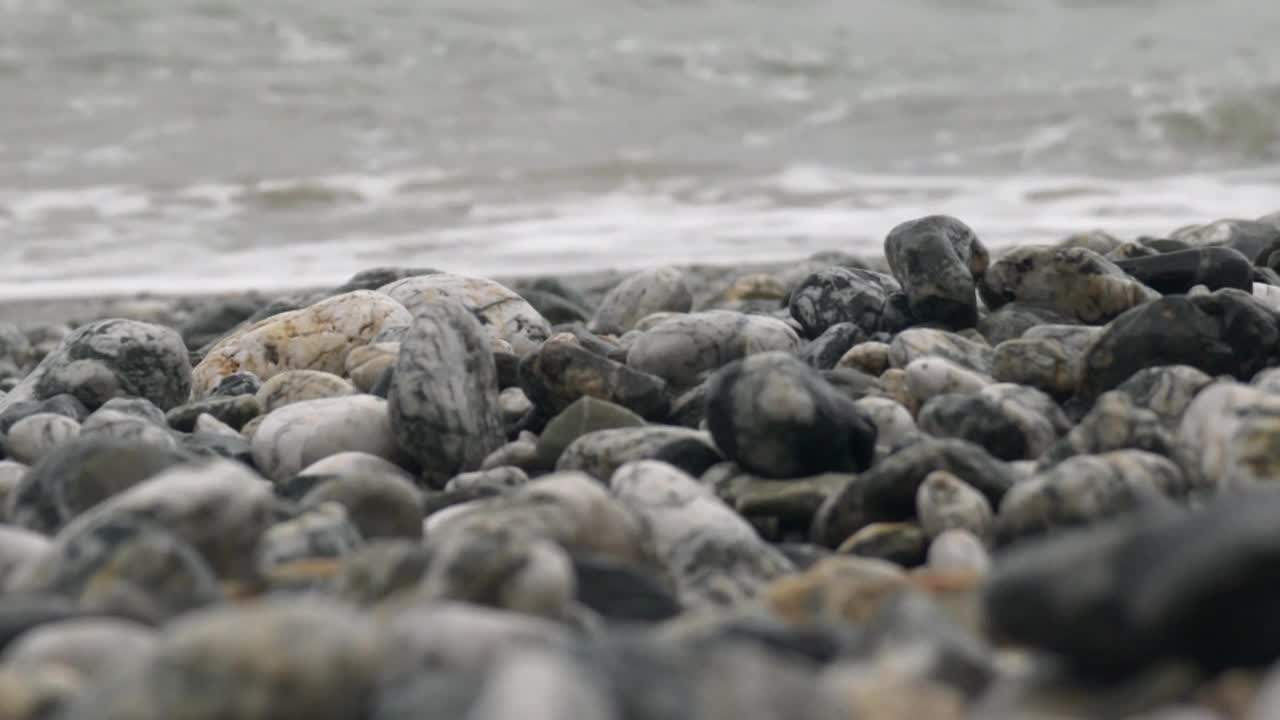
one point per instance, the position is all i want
(1074, 281)
(321, 531)
(365, 364)
(916, 343)
(501, 313)
(300, 434)
(779, 418)
(602, 452)
(716, 558)
(1085, 489)
(271, 660)
(1011, 320)
(1225, 332)
(1177, 272)
(587, 414)
(930, 376)
(1114, 423)
(1048, 358)
(518, 453)
(32, 438)
(887, 492)
(871, 358)
(295, 386)
(233, 411)
(107, 359)
(945, 502)
(380, 505)
(685, 349)
(834, 295)
(824, 351)
(893, 383)
(958, 551)
(560, 372)
(937, 259)
(444, 400)
(894, 425)
(657, 290)
(317, 337)
(1229, 436)
(1007, 429)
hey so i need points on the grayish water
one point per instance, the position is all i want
(206, 144)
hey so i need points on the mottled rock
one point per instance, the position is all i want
(107, 359)
(1166, 390)
(560, 372)
(322, 531)
(366, 364)
(1073, 281)
(1114, 423)
(684, 349)
(930, 376)
(916, 343)
(602, 452)
(501, 313)
(585, 415)
(1011, 320)
(1049, 358)
(1007, 429)
(716, 558)
(901, 543)
(824, 351)
(300, 434)
(1226, 332)
(35, 436)
(380, 505)
(1246, 236)
(519, 453)
(317, 337)
(376, 277)
(81, 475)
(1229, 436)
(854, 384)
(887, 492)
(110, 425)
(295, 386)
(958, 551)
(894, 425)
(1085, 489)
(646, 292)
(871, 358)
(64, 405)
(777, 417)
(273, 660)
(893, 383)
(945, 502)
(1177, 272)
(937, 259)
(444, 401)
(380, 570)
(233, 411)
(871, 300)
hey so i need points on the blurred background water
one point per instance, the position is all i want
(216, 144)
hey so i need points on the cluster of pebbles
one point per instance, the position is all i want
(950, 483)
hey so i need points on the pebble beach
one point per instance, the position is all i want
(943, 481)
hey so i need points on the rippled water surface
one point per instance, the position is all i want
(206, 144)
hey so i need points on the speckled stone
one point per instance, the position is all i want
(1114, 423)
(834, 295)
(122, 564)
(684, 349)
(1225, 332)
(1177, 272)
(937, 259)
(930, 376)
(716, 558)
(1085, 489)
(269, 660)
(916, 343)
(35, 436)
(502, 313)
(1073, 281)
(295, 386)
(945, 502)
(561, 371)
(380, 505)
(232, 411)
(871, 358)
(444, 401)
(366, 364)
(1229, 435)
(219, 506)
(602, 452)
(1049, 363)
(318, 337)
(1166, 390)
(64, 405)
(111, 358)
(321, 531)
(644, 293)
(300, 434)
(893, 383)
(777, 417)
(1247, 236)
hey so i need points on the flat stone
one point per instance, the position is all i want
(1177, 272)
(107, 359)
(937, 260)
(499, 478)
(297, 435)
(36, 436)
(317, 337)
(561, 371)
(834, 295)
(657, 290)
(65, 405)
(295, 386)
(500, 312)
(110, 425)
(444, 401)
(1073, 281)
(585, 415)
(901, 543)
(685, 349)
(777, 417)
(600, 453)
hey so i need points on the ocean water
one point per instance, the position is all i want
(221, 144)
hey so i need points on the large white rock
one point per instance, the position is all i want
(503, 313)
(298, 435)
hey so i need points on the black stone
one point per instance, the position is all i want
(978, 419)
(240, 383)
(554, 308)
(826, 350)
(65, 405)
(692, 456)
(937, 260)
(841, 295)
(508, 366)
(1014, 319)
(235, 411)
(1178, 272)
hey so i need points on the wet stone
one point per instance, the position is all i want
(300, 434)
(560, 372)
(1249, 237)
(1086, 489)
(498, 311)
(1114, 423)
(916, 343)
(233, 411)
(1074, 281)
(1225, 332)
(36, 436)
(600, 453)
(937, 259)
(826, 350)
(945, 502)
(777, 417)
(444, 402)
(658, 290)
(1010, 321)
(716, 558)
(585, 415)
(683, 350)
(295, 386)
(1177, 272)
(834, 295)
(379, 504)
